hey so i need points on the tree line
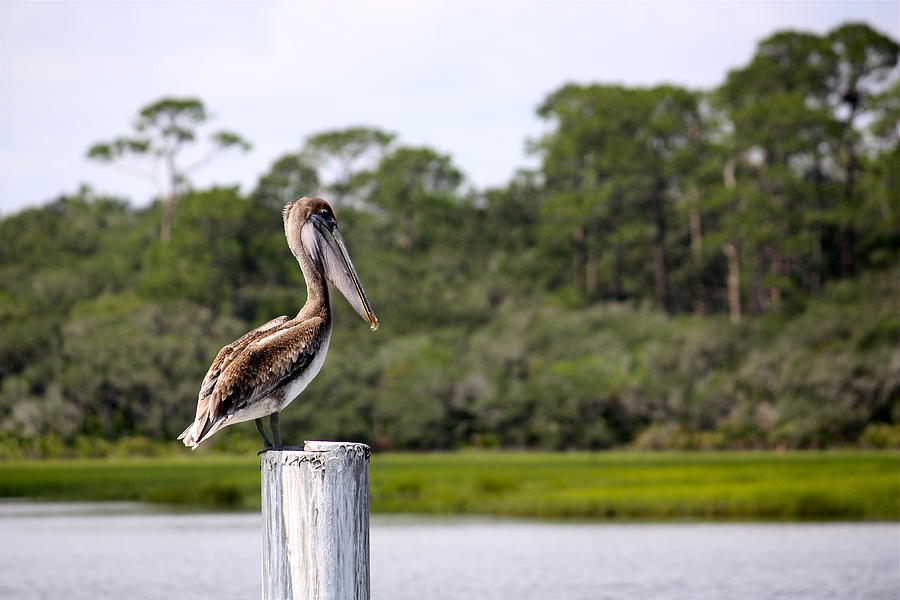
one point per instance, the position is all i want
(600, 299)
(743, 198)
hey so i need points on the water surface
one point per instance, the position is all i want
(94, 551)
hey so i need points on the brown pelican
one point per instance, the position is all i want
(263, 371)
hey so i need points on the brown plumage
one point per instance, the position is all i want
(264, 370)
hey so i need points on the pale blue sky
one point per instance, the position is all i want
(463, 77)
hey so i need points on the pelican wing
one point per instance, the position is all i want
(229, 352)
(254, 371)
(224, 358)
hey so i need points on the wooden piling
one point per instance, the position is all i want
(315, 507)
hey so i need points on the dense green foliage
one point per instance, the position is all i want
(685, 269)
(609, 485)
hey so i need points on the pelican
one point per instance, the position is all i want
(262, 372)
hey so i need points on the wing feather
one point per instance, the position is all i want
(224, 357)
(265, 364)
(252, 368)
(229, 352)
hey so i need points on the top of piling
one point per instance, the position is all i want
(318, 452)
(316, 446)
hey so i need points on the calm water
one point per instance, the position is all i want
(95, 551)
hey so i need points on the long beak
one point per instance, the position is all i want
(326, 246)
(359, 299)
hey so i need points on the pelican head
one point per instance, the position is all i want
(312, 232)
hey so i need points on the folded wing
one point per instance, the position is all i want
(251, 369)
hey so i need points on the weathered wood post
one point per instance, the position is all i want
(315, 507)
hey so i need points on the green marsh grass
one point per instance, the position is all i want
(832, 485)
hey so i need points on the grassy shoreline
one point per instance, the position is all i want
(826, 485)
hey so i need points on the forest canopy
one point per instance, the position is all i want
(683, 269)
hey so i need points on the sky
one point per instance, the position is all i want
(463, 77)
